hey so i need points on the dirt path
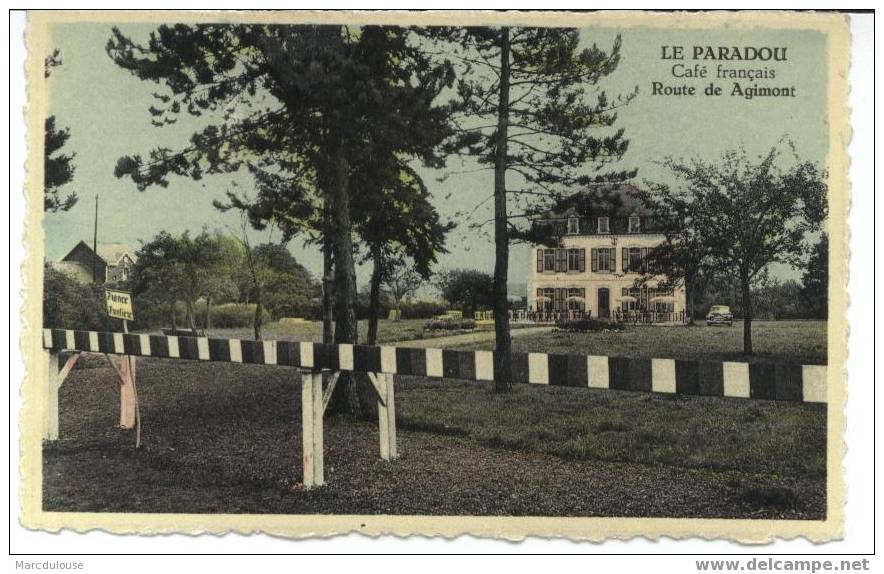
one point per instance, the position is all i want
(470, 338)
(223, 439)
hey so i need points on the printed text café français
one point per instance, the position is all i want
(747, 72)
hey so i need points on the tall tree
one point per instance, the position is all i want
(58, 168)
(529, 105)
(467, 289)
(299, 102)
(401, 226)
(815, 281)
(752, 212)
(402, 282)
(685, 257)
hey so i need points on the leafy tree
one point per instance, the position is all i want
(815, 288)
(777, 300)
(58, 168)
(752, 212)
(158, 276)
(402, 229)
(402, 283)
(289, 287)
(171, 269)
(528, 105)
(222, 281)
(468, 289)
(685, 257)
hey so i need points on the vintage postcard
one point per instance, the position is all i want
(574, 275)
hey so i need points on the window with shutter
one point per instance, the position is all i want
(549, 260)
(561, 260)
(594, 259)
(573, 260)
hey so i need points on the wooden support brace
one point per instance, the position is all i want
(55, 377)
(312, 409)
(378, 384)
(326, 396)
(68, 365)
(125, 369)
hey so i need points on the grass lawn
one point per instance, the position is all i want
(802, 342)
(790, 341)
(758, 437)
(388, 331)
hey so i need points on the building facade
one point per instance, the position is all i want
(598, 262)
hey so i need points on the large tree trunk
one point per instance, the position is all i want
(345, 399)
(374, 303)
(503, 342)
(259, 313)
(747, 312)
(328, 327)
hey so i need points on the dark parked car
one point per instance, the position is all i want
(720, 315)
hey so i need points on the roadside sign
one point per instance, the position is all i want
(119, 304)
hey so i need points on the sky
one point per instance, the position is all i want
(106, 110)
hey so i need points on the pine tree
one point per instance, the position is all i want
(529, 106)
(300, 105)
(58, 168)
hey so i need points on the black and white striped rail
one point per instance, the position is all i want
(769, 381)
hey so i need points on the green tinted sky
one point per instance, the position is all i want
(106, 110)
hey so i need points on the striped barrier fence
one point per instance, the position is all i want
(768, 381)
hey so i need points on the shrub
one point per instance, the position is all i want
(588, 325)
(68, 304)
(451, 324)
(235, 315)
(423, 309)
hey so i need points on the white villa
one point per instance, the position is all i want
(602, 238)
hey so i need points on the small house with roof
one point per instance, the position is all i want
(113, 262)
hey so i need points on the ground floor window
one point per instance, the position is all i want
(561, 299)
(642, 299)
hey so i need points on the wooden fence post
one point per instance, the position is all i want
(312, 409)
(391, 417)
(50, 404)
(383, 418)
(383, 385)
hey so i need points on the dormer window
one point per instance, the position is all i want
(635, 224)
(573, 226)
(603, 225)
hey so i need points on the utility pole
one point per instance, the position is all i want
(95, 240)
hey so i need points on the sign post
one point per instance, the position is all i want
(119, 305)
